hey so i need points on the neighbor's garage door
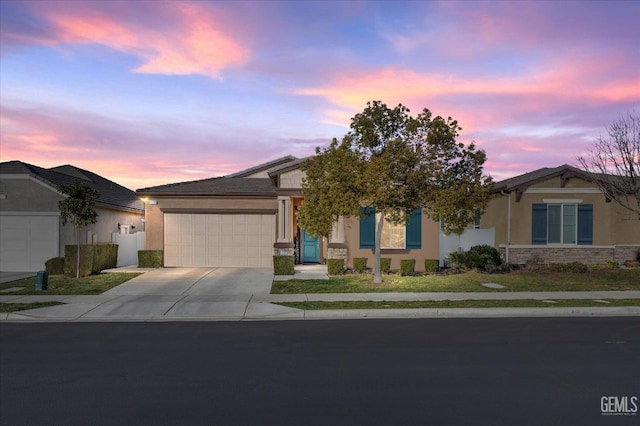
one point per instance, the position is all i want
(218, 239)
(26, 242)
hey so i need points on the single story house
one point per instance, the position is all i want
(31, 230)
(245, 218)
(558, 215)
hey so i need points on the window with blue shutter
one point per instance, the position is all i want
(539, 224)
(367, 228)
(585, 224)
(414, 230)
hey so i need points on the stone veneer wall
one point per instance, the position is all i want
(337, 253)
(585, 254)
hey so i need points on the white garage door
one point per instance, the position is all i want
(26, 242)
(244, 240)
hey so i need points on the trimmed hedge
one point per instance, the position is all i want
(150, 259)
(431, 265)
(93, 258)
(385, 265)
(55, 266)
(360, 264)
(335, 266)
(283, 265)
(407, 267)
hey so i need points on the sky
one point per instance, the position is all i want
(152, 92)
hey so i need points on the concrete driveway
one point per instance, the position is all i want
(173, 294)
(231, 282)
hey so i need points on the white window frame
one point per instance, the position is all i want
(562, 225)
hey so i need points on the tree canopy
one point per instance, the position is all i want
(77, 208)
(395, 163)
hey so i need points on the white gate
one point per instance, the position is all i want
(128, 246)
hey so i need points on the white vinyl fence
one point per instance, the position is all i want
(468, 239)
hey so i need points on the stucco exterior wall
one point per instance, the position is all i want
(429, 250)
(28, 195)
(154, 235)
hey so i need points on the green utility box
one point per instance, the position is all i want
(42, 280)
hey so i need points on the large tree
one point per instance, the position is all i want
(77, 208)
(393, 163)
(613, 162)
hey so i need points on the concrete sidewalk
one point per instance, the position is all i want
(208, 307)
(213, 294)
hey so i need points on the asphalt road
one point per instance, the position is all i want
(375, 372)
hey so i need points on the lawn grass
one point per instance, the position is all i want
(440, 304)
(15, 307)
(616, 279)
(62, 285)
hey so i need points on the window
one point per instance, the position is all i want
(398, 236)
(562, 224)
(393, 234)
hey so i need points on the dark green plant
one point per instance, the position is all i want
(482, 257)
(360, 265)
(573, 267)
(431, 265)
(407, 267)
(283, 265)
(385, 265)
(335, 266)
(150, 258)
(55, 266)
(93, 259)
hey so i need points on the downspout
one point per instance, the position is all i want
(508, 223)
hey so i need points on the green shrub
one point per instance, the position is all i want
(431, 265)
(55, 266)
(385, 265)
(612, 264)
(573, 267)
(150, 259)
(93, 258)
(335, 266)
(482, 257)
(407, 267)
(283, 265)
(359, 265)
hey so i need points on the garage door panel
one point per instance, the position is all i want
(219, 240)
(26, 242)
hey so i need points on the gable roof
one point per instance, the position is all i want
(235, 184)
(112, 195)
(565, 172)
(263, 167)
(215, 186)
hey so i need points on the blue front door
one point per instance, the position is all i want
(310, 248)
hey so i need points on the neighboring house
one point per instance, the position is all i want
(557, 215)
(245, 218)
(31, 230)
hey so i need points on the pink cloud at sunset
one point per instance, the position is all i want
(192, 39)
(154, 92)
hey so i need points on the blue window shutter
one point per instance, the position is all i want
(585, 224)
(367, 228)
(414, 230)
(539, 224)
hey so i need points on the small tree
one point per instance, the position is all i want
(394, 163)
(613, 162)
(77, 208)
